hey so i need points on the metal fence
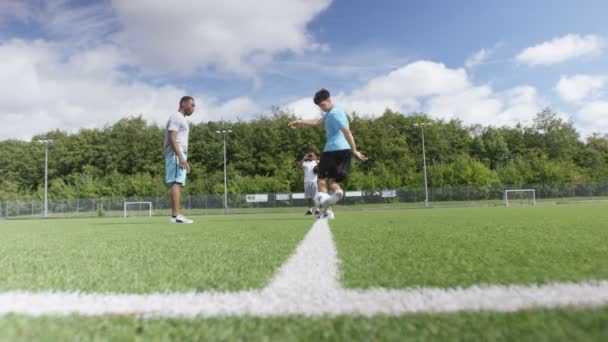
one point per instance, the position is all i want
(213, 204)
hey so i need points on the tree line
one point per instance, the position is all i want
(126, 160)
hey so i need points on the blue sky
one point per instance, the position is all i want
(450, 31)
(89, 63)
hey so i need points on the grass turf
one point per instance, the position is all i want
(439, 247)
(468, 246)
(534, 325)
(146, 255)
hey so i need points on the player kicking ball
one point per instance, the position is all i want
(334, 166)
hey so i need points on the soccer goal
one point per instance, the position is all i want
(520, 197)
(138, 209)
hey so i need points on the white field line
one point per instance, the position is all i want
(308, 285)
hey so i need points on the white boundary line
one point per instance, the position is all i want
(308, 285)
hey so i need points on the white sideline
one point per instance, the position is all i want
(307, 285)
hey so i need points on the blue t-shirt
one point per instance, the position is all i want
(334, 121)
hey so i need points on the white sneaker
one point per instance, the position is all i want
(329, 214)
(180, 219)
(333, 199)
(321, 198)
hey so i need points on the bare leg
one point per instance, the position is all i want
(322, 184)
(337, 192)
(176, 193)
(335, 186)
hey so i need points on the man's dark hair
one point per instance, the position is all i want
(310, 150)
(321, 96)
(184, 100)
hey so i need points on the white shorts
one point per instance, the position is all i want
(310, 190)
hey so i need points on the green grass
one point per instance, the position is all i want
(536, 325)
(468, 246)
(389, 248)
(146, 255)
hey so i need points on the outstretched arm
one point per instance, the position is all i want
(300, 123)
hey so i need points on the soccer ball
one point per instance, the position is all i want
(320, 198)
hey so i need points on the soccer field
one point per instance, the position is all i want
(521, 273)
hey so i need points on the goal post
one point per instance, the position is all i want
(141, 208)
(520, 196)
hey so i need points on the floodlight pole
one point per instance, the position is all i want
(426, 188)
(46, 174)
(224, 133)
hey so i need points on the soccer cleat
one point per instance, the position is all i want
(180, 219)
(308, 212)
(317, 212)
(328, 214)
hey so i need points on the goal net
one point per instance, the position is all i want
(138, 209)
(520, 197)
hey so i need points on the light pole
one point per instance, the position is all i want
(46, 175)
(224, 133)
(426, 189)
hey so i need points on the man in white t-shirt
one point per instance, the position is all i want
(176, 155)
(309, 164)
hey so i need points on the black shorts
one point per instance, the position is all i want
(335, 164)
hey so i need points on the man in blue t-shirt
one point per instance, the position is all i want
(334, 166)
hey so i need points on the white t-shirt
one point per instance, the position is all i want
(177, 122)
(309, 175)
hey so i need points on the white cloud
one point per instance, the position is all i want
(78, 80)
(231, 35)
(241, 108)
(588, 93)
(41, 90)
(580, 87)
(182, 36)
(477, 58)
(305, 108)
(480, 105)
(430, 79)
(562, 49)
(440, 91)
(520, 104)
(593, 117)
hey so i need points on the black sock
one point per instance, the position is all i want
(174, 216)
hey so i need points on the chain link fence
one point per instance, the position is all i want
(288, 202)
